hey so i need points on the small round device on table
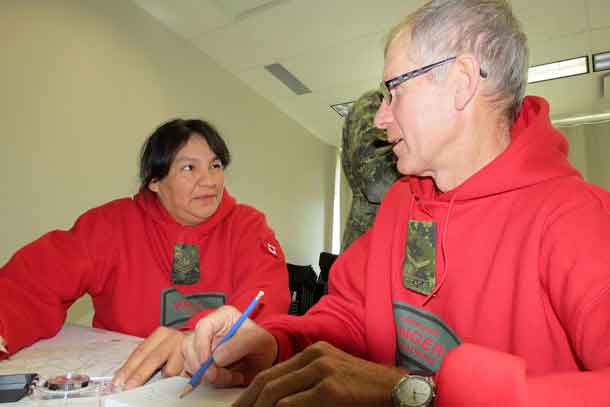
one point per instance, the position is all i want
(67, 382)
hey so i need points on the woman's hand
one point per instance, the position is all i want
(238, 360)
(162, 349)
(323, 375)
(3, 345)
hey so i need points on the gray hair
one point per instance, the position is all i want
(487, 29)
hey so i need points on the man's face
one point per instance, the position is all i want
(418, 118)
(192, 190)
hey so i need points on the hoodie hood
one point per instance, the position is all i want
(150, 204)
(537, 153)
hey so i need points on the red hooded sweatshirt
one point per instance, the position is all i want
(122, 254)
(519, 312)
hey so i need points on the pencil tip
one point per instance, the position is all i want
(187, 389)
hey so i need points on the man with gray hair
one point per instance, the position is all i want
(485, 279)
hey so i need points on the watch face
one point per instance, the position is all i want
(414, 392)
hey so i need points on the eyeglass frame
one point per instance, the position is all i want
(386, 87)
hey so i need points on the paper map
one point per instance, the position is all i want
(100, 353)
(75, 349)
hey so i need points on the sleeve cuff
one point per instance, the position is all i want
(474, 375)
(285, 347)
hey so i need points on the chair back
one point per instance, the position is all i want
(302, 281)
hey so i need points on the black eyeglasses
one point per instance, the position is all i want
(387, 86)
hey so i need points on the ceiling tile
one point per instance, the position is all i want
(551, 18)
(189, 18)
(237, 8)
(353, 60)
(599, 13)
(298, 28)
(556, 92)
(600, 41)
(546, 50)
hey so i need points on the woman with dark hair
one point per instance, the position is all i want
(182, 245)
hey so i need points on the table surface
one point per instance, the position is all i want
(75, 349)
(99, 353)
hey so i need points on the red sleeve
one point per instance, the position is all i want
(258, 264)
(42, 280)
(472, 375)
(338, 318)
(575, 274)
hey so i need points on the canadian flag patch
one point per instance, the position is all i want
(270, 248)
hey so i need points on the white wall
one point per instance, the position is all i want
(83, 82)
(590, 151)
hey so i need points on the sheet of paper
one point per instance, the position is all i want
(163, 393)
(99, 353)
(75, 349)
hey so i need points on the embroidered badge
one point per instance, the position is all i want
(185, 267)
(419, 264)
(422, 339)
(177, 308)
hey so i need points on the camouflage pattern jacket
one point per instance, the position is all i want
(368, 164)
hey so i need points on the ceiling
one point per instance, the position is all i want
(335, 48)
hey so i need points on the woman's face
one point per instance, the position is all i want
(192, 190)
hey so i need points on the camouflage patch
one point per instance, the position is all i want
(185, 267)
(419, 264)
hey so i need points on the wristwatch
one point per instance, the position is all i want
(414, 391)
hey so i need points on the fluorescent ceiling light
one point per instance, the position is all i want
(343, 108)
(560, 69)
(601, 61)
(287, 78)
(584, 119)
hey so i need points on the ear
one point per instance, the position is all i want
(467, 76)
(154, 185)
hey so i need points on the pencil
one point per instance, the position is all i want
(206, 365)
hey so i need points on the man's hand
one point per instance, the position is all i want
(251, 350)
(322, 375)
(2, 345)
(163, 348)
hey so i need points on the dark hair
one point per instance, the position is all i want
(159, 150)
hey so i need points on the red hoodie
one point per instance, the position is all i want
(520, 312)
(121, 254)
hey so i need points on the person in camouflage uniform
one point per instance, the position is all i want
(368, 164)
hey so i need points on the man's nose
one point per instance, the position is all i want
(383, 117)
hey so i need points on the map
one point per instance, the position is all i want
(76, 349)
(99, 353)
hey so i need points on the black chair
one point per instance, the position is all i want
(302, 281)
(325, 261)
